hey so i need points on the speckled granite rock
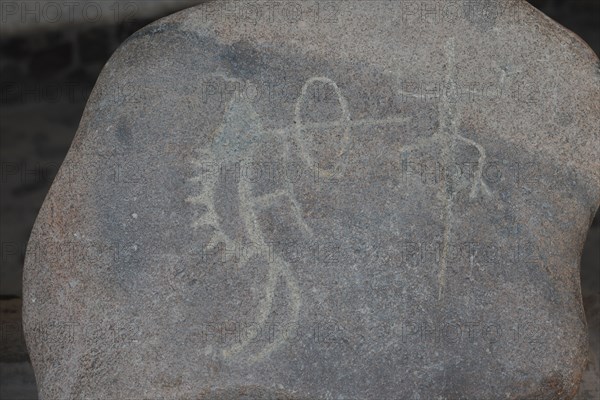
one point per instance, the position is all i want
(323, 200)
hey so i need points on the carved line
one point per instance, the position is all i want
(302, 139)
(277, 268)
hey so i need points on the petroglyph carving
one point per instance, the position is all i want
(415, 178)
(237, 139)
(241, 123)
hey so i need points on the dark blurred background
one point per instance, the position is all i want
(50, 57)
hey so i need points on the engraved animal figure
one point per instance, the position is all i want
(238, 138)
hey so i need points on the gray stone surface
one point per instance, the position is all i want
(344, 200)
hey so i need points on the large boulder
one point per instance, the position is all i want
(323, 200)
